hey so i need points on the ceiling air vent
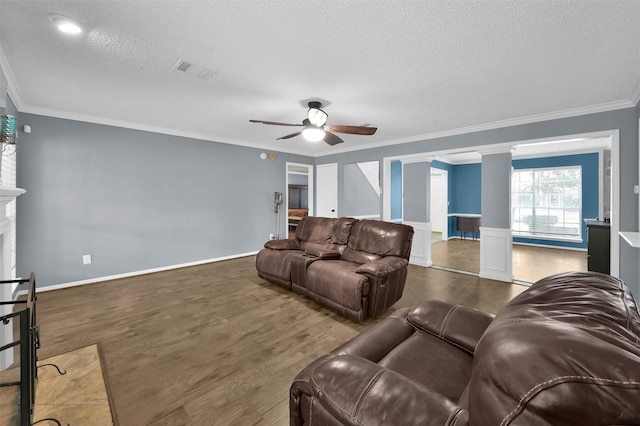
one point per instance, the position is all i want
(194, 69)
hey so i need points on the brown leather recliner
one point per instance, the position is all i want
(564, 352)
(357, 268)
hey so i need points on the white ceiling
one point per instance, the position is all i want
(414, 69)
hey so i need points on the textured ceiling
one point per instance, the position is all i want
(414, 69)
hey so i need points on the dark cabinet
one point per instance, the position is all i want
(599, 247)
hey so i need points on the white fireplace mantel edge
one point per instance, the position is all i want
(8, 194)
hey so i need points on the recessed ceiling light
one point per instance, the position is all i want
(65, 24)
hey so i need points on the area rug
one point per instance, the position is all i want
(78, 397)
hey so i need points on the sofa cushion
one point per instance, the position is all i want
(337, 280)
(566, 351)
(315, 229)
(374, 237)
(275, 265)
(432, 362)
(323, 233)
(458, 324)
(342, 230)
(358, 392)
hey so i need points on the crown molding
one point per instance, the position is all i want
(497, 150)
(49, 112)
(12, 85)
(635, 95)
(22, 106)
(574, 112)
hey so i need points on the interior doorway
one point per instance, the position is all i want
(439, 205)
(547, 147)
(299, 197)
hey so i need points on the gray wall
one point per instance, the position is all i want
(625, 120)
(71, 169)
(136, 200)
(360, 198)
(496, 191)
(297, 179)
(416, 178)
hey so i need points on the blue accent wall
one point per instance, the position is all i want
(465, 192)
(467, 188)
(590, 192)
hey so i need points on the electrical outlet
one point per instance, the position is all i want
(271, 236)
(86, 259)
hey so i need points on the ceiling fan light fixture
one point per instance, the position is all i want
(313, 134)
(65, 24)
(317, 117)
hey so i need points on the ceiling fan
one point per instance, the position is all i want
(315, 127)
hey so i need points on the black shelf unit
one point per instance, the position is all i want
(599, 246)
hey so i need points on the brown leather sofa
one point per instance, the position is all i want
(357, 268)
(564, 352)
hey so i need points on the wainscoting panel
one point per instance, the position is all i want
(495, 254)
(421, 248)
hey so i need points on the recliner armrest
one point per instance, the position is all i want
(382, 267)
(323, 254)
(357, 391)
(288, 244)
(458, 324)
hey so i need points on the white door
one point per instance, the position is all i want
(327, 190)
(439, 201)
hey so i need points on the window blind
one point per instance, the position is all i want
(547, 203)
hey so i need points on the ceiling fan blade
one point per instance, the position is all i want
(291, 135)
(354, 130)
(331, 139)
(274, 123)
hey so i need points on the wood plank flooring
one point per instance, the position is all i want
(530, 263)
(214, 344)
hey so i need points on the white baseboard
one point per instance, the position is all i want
(550, 246)
(135, 273)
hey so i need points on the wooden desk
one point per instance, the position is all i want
(467, 222)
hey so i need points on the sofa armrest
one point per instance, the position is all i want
(354, 391)
(288, 244)
(382, 267)
(458, 324)
(386, 279)
(323, 254)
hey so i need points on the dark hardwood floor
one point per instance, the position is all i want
(214, 344)
(530, 263)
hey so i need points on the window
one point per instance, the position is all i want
(547, 203)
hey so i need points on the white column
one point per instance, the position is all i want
(6, 291)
